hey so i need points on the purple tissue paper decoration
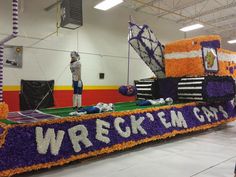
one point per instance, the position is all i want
(1, 130)
(212, 44)
(165, 88)
(1, 72)
(128, 90)
(211, 48)
(220, 89)
(8, 38)
(145, 43)
(20, 147)
(231, 69)
(206, 88)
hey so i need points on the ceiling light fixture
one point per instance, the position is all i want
(107, 4)
(232, 41)
(191, 27)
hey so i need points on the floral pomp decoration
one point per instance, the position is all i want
(3, 110)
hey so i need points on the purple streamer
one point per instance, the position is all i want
(8, 38)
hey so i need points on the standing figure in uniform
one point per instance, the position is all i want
(75, 67)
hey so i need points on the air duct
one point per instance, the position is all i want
(71, 14)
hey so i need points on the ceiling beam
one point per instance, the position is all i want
(223, 29)
(172, 12)
(147, 4)
(184, 6)
(229, 34)
(231, 5)
(222, 19)
(229, 28)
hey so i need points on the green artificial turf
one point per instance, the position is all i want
(64, 112)
(8, 122)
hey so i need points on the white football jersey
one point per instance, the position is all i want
(103, 107)
(75, 68)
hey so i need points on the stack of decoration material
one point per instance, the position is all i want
(197, 69)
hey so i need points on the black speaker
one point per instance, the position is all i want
(71, 14)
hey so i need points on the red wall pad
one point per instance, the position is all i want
(63, 98)
(60, 141)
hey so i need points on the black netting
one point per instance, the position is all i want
(36, 94)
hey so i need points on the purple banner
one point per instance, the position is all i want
(27, 145)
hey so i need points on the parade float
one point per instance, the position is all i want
(195, 73)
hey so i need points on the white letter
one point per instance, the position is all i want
(150, 116)
(178, 119)
(83, 137)
(122, 133)
(163, 120)
(215, 111)
(136, 125)
(102, 131)
(225, 114)
(199, 117)
(207, 113)
(49, 139)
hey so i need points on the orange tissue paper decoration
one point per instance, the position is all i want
(3, 110)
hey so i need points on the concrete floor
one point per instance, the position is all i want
(208, 154)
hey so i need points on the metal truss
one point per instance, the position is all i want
(179, 8)
(222, 19)
(224, 29)
(148, 4)
(184, 6)
(171, 12)
(231, 5)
